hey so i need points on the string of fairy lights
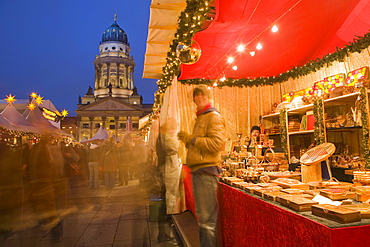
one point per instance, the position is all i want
(35, 101)
(190, 22)
(241, 45)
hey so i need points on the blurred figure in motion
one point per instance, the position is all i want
(11, 191)
(110, 163)
(49, 187)
(125, 160)
(75, 167)
(141, 158)
(94, 159)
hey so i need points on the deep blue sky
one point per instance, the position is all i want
(49, 46)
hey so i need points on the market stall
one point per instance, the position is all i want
(299, 71)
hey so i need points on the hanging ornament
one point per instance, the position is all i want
(188, 54)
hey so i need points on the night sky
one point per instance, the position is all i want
(49, 46)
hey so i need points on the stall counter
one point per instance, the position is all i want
(246, 220)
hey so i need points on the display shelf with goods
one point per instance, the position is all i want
(271, 122)
(342, 125)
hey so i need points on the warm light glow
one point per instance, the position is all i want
(230, 60)
(33, 95)
(223, 79)
(259, 46)
(215, 84)
(252, 53)
(39, 100)
(274, 29)
(31, 106)
(64, 113)
(241, 48)
(235, 67)
(10, 98)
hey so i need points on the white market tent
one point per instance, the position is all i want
(17, 121)
(36, 118)
(101, 135)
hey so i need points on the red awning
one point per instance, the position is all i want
(307, 29)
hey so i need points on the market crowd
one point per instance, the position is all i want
(41, 184)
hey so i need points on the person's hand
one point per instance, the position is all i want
(184, 136)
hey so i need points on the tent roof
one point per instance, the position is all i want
(160, 34)
(102, 134)
(307, 30)
(16, 120)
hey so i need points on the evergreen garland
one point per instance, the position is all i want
(189, 23)
(359, 43)
(319, 125)
(283, 131)
(365, 126)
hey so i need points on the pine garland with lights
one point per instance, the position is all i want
(365, 126)
(189, 23)
(358, 45)
(319, 122)
(283, 131)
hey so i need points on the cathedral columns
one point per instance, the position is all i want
(108, 74)
(118, 74)
(131, 78)
(125, 80)
(99, 76)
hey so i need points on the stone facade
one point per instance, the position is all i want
(114, 98)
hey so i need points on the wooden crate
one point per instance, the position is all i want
(241, 184)
(330, 185)
(363, 208)
(362, 197)
(293, 191)
(297, 203)
(291, 184)
(262, 191)
(272, 196)
(336, 213)
(250, 189)
(230, 180)
(338, 194)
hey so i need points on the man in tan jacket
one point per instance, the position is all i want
(204, 156)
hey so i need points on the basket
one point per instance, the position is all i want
(272, 165)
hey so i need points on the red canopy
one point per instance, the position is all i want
(307, 29)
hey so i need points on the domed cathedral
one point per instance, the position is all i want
(114, 101)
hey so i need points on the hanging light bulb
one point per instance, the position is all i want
(230, 59)
(252, 53)
(259, 46)
(274, 28)
(235, 67)
(223, 79)
(241, 48)
(215, 84)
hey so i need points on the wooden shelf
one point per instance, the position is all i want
(344, 129)
(302, 132)
(273, 115)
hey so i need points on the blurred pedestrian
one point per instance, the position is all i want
(125, 160)
(140, 154)
(110, 163)
(204, 156)
(94, 160)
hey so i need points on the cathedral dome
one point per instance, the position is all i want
(115, 33)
